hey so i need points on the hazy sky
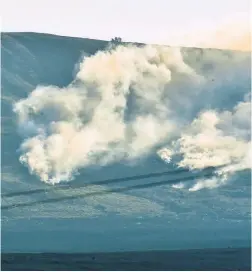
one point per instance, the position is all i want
(211, 23)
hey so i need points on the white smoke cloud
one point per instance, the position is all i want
(207, 183)
(205, 144)
(85, 123)
(122, 105)
(216, 139)
(178, 185)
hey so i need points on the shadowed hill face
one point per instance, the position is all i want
(43, 59)
(47, 59)
(30, 59)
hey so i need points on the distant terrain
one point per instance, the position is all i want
(155, 217)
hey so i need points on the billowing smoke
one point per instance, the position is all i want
(124, 104)
(92, 121)
(215, 139)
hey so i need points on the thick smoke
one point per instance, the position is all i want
(124, 104)
(91, 121)
(215, 139)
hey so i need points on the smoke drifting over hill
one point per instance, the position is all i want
(130, 101)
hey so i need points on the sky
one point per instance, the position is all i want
(202, 23)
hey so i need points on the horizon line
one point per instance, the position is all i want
(123, 41)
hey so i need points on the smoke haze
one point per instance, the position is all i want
(127, 102)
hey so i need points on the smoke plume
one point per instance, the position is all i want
(124, 104)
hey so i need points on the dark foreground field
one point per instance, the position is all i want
(207, 259)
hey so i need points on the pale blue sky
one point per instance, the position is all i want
(155, 21)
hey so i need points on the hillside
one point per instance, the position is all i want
(159, 216)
